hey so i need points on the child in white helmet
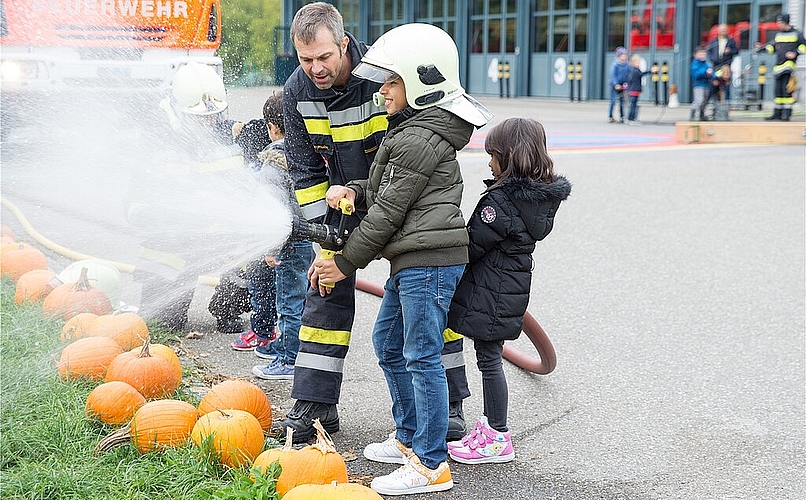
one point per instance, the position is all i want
(412, 196)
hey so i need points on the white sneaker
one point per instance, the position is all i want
(390, 451)
(413, 478)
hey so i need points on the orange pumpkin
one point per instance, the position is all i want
(318, 463)
(33, 286)
(153, 376)
(70, 299)
(128, 329)
(77, 326)
(6, 232)
(268, 457)
(18, 261)
(89, 357)
(165, 423)
(113, 402)
(240, 395)
(332, 491)
(236, 436)
(169, 354)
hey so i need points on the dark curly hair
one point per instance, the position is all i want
(273, 111)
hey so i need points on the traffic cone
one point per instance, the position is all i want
(674, 102)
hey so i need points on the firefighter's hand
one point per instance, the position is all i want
(791, 54)
(273, 261)
(236, 129)
(617, 87)
(336, 193)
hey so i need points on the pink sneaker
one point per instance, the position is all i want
(248, 341)
(467, 438)
(485, 447)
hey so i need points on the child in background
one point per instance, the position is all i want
(700, 83)
(634, 85)
(289, 269)
(515, 211)
(618, 75)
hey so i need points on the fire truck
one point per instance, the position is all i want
(48, 47)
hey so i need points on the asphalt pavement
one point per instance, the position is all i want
(672, 288)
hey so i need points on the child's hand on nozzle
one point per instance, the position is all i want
(272, 261)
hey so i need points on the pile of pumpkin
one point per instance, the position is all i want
(138, 379)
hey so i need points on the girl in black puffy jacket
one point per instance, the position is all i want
(515, 211)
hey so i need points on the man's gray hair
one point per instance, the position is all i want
(313, 16)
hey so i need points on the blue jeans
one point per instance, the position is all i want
(292, 283)
(260, 282)
(633, 108)
(407, 338)
(616, 95)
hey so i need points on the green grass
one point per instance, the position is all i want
(47, 442)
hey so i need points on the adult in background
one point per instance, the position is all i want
(787, 44)
(721, 52)
(333, 130)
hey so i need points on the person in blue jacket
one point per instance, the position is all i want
(618, 75)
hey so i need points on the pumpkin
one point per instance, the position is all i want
(89, 357)
(77, 326)
(268, 457)
(235, 435)
(70, 299)
(239, 395)
(18, 261)
(6, 232)
(318, 463)
(332, 491)
(128, 329)
(153, 376)
(33, 286)
(165, 423)
(167, 353)
(113, 402)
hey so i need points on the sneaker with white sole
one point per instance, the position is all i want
(248, 341)
(390, 451)
(414, 477)
(276, 370)
(467, 438)
(487, 446)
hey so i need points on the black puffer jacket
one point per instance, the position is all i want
(492, 296)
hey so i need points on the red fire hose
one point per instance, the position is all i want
(543, 365)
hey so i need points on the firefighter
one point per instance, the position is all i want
(333, 130)
(196, 140)
(787, 44)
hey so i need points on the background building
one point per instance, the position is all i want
(542, 46)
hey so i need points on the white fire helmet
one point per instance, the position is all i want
(99, 273)
(427, 60)
(197, 89)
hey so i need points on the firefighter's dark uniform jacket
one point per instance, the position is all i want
(492, 296)
(790, 40)
(331, 137)
(413, 195)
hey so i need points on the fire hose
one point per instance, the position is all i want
(332, 239)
